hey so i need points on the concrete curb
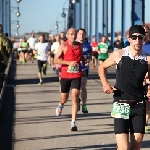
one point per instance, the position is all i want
(5, 82)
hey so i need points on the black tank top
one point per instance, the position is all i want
(130, 74)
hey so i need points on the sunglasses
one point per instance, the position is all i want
(134, 37)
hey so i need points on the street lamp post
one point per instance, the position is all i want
(64, 14)
(56, 26)
(17, 15)
(17, 25)
(53, 25)
(17, 32)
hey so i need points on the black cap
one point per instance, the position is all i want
(136, 29)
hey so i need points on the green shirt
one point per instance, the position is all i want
(24, 45)
(103, 48)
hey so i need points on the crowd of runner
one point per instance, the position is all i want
(70, 54)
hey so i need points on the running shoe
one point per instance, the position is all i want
(39, 83)
(23, 62)
(73, 127)
(84, 109)
(59, 110)
(146, 129)
(53, 68)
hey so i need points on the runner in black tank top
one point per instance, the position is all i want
(129, 107)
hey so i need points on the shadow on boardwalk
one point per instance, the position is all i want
(35, 81)
(7, 111)
(95, 76)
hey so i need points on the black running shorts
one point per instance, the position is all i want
(135, 123)
(40, 65)
(66, 84)
(95, 55)
(30, 51)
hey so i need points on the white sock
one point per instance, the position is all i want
(73, 121)
(61, 105)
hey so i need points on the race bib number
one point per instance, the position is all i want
(120, 110)
(73, 69)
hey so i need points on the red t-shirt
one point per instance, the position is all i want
(72, 54)
(94, 46)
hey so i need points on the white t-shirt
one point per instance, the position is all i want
(42, 50)
(55, 47)
(31, 42)
(15, 45)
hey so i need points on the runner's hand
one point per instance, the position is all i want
(108, 89)
(87, 64)
(72, 63)
(148, 95)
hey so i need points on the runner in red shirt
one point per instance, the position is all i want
(69, 56)
(94, 45)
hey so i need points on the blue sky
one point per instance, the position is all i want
(40, 15)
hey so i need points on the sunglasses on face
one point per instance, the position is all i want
(134, 37)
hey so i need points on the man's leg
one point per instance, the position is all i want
(136, 140)
(65, 87)
(121, 129)
(75, 86)
(52, 61)
(75, 104)
(138, 125)
(39, 72)
(96, 60)
(84, 91)
(75, 97)
(93, 61)
(122, 141)
(44, 66)
(49, 60)
(31, 55)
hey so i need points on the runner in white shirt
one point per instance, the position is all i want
(43, 51)
(54, 47)
(32, 40)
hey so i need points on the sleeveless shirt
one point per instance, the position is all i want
(130, 74)
(72, 54)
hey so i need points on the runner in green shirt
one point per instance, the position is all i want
(24, 52)
(103, 49)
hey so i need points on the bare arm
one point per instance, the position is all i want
(112, 60)
(147, 77)
(106, 64)
(148, 74)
